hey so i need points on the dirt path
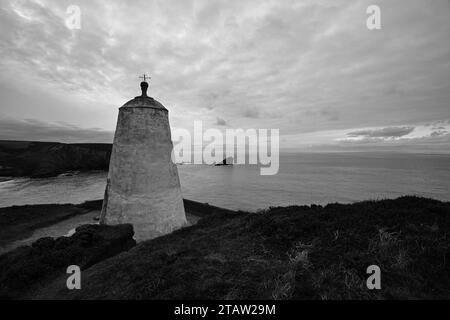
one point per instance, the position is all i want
(66, 228)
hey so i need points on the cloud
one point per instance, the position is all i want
(389, 132)
(422, 139)
(36, 130)
(323, 113)
(221, 122)
(439, 133)
(257, 63)
(251, 113)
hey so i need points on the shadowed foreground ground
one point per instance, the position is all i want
(22, 225)
(19, 222)
(284, 253)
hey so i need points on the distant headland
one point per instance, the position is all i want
(49, 159)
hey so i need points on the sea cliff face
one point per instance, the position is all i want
(47, 159)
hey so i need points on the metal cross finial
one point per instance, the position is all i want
(145, 77)
(144, 85)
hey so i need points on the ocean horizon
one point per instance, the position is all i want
(303, 179)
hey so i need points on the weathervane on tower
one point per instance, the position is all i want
(145, 77)
(144, 84)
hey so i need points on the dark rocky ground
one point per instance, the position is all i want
(19, 222)
(306, 252)
(47, 159)
(30, 267)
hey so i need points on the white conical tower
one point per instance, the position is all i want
(143, 186)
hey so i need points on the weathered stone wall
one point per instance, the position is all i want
(143, 184)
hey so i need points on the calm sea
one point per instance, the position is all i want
(302, 179)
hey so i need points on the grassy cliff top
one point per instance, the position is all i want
(306, 252)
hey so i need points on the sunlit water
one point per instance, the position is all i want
(302, 179)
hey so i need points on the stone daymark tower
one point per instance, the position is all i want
(143, 187)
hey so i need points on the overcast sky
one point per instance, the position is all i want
(310, 68)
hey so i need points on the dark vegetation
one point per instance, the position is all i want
(202, 209)
(19, 222)
(47, 159)
(307, 252)
(27, 268)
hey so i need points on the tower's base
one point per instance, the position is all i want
(152, 216)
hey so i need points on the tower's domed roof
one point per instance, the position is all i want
(144, 101)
